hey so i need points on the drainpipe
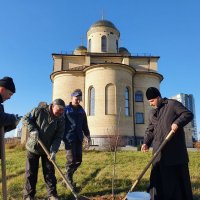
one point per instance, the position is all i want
(133, 110)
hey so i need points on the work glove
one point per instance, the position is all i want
(34, 135)
(53, 156)
(87, 141)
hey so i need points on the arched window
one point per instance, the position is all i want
(89, 45)
(91, 101)
(117, 46)
(139, 118)
(110, 100)
(104, 44)
(127, 102)
(138, 96)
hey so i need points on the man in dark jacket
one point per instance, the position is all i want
(76, 127)
(47, 124)
(8, 122)
(169, 179)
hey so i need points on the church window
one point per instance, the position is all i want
(130, 142)
(110, 100)
(104, 44)
(138, 96)
(89, 45)
(91, 101)
(127, 102)
(117, 45)
(139, 117)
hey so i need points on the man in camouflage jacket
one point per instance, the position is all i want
(46, 123)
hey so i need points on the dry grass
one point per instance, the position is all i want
(94, 177)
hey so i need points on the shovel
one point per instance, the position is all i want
(61, 173)
(3, 164)
(168, 137)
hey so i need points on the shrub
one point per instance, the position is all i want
(20, 147)
(15, 145)
(197, 145)
(10, 145)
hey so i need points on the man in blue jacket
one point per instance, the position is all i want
(76, 127)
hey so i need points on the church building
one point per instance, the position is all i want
(113, 82)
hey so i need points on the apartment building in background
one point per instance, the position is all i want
(188, 101)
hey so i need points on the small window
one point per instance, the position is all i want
(91, 101)
(104, 44)
(127, 102)
(130, 142)
(89, 45)
(139, 118)
(117, 45)
(138, 96)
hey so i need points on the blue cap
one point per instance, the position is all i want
(77, 93)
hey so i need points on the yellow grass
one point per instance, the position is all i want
(94, 177)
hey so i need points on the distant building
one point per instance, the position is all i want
(18, 132)
(188, 101)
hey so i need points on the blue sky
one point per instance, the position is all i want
(30, 31)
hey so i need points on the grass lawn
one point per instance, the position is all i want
(94, 177)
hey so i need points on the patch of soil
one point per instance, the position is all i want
(107, 197)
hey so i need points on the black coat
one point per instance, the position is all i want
(6, 120)
(160, 121)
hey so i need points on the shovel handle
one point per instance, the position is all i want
(3, 164)
(58, 169)
(168, 137)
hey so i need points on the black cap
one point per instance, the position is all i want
(152, 93)
(7, 82)
(59, 102)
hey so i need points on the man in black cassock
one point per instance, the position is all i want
(169, 179)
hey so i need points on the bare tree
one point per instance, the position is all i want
(197, 145)
(113, 141)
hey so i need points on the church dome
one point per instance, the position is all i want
(104, 23)
(103, 37)
(124, 51)
(80, 50)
